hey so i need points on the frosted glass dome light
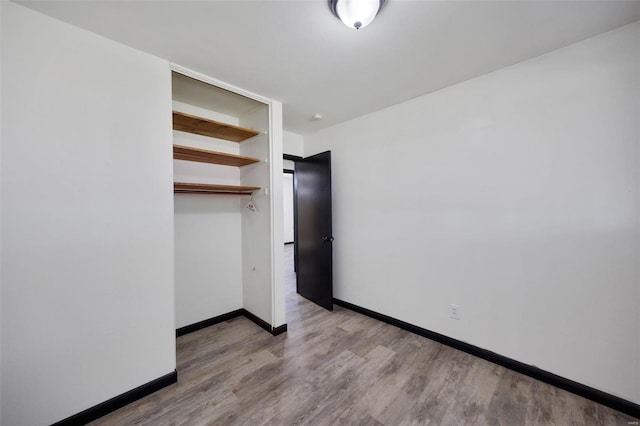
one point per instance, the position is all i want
(356, 13)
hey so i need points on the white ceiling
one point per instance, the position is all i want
(299, 53)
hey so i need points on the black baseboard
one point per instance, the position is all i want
(208, 322)
(262, 323)
(126, 398)
(229, 315)
(119, 401)
(279, 330)
(611, 401)
(259, 321)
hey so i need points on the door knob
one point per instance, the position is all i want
(327, 239)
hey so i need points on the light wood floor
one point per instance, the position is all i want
(345, 368)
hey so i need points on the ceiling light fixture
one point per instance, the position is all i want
(356, 13)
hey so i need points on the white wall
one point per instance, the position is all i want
(287, 192)
(0, 217)
(208, 259)
(262, 232)
(87, 285)
(277, 231)
(514, 195)
(292, 144)
(256, 226)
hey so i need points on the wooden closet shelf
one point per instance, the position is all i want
(204, 156)
(207, 188)
(206, 127)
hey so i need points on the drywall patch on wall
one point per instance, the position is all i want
(513, 195)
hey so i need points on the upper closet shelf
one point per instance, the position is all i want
(206, 127)
(207, 188)
(188, 153)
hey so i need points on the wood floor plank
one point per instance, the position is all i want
(342, 368)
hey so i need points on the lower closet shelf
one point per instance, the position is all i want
(207, 188)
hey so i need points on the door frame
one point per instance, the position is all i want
(296, 227)
(295, 159)
(295, 220)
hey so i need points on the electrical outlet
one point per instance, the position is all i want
(455, 312)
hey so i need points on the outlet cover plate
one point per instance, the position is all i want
(455, 312)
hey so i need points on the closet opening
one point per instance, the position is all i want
(223, 205)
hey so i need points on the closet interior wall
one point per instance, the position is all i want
(256, 225)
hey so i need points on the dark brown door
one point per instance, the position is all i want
(314, 231)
